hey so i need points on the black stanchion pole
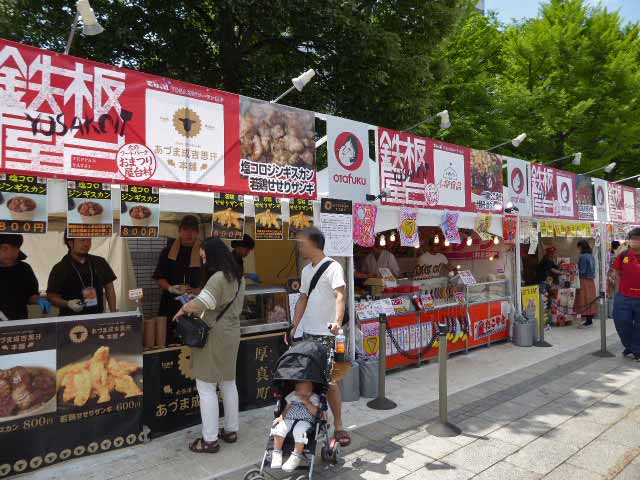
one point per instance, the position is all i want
(541, 341)
(381, 402)
(602, 311)
(442, 428)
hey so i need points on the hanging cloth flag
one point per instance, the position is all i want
(364, 224)
(450, 227)
(409, 227)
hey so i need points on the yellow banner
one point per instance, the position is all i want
(531, 303)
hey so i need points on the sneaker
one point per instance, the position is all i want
(585, 325)
(627, 353)
(636, 358)
(276, 459)
(292, 463)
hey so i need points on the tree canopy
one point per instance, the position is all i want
(569, 78)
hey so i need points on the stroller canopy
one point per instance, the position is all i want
(304, 361)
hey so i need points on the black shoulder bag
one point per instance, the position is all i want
(193, 331)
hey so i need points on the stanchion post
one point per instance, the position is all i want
(602, 311)
(541, 341)
(442, 428)
(381, 402)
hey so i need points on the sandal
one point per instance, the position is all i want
(200, 446)
(228, 437)
(343, 438)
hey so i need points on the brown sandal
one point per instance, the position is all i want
(200, 446)
(228, 437)
(343, 438)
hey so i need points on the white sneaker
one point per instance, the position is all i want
(292, 463)
(276, 459)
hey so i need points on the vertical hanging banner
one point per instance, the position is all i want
(348, 158)
(543, 191)
(566, 206)
(601, 197)
(139, 211)
(277, 149)
(23, 204)
(409, 228)
(584, 197)
(228, 216)
(486, 181)
(300, 216)
(364, 224)
(519, 192)
(89, 211)
(268, 218)
(629, 197)
(336, 222)
(419, 172)
(509, 229)
(450, 227)
(616, 203)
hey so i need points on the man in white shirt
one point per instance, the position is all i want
(380, 258)
(431, 264)
(320, 313)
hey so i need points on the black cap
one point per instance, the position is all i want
(191, 222)
(246, 242)
(15, 240)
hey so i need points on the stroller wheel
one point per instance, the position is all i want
(329, 454)
(302, 477)
(253, 475)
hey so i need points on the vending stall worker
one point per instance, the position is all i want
(18, 283)
(179, 270)
(626, 304)
(240, 249)
(79, 282)
(380, 258)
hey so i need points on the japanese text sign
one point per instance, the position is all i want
(228, 216)
(89, 212)
(23, 204)
(139, 211)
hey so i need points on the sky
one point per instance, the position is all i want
(518, 9)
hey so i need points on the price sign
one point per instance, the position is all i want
(89, 212)
(23, 204)
(228, 216)
(139, 211)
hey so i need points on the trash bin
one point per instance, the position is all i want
(350, 384)
(523, 333)
(369, 370)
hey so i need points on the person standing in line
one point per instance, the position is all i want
(626, 303)
(220, 301)
(79, 283)
(320, 313)
(586, 303)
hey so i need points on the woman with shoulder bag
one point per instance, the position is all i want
(220, 304)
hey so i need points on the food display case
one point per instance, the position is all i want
(265, 310)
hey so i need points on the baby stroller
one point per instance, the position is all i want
(304, 361)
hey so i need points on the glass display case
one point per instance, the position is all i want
(266, 309)
(487, 292)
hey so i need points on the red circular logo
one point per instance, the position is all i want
(517, 181)
(136, 162)
(600, 195)
(564, 193)
(348, 151)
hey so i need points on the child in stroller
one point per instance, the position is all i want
(300, 384)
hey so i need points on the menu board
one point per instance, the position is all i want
(300, 216)
(336, 222)
(89, 212)
(139, 211)
(75, 388)
(268, 218)
(23, 204)
(228, 216)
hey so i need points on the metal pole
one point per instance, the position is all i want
(72, 32)
(351, 309)
(602, 299)
(442, 428)
(541, 341)
(281, 96)
(381, 402)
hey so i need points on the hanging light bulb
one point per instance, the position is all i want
(392, 237)
(437, 239)
(383, 241)
(446, 242)
(491, 258)
(458, 267)
(417, 245)
(496, 240)
(469, 241)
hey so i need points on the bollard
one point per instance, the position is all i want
(442, 428)
(602, 311)
(381, 402)
(541, 341)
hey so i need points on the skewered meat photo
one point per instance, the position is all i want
(23, 390)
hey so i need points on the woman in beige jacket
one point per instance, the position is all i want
(220, 304)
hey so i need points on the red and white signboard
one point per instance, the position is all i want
(616, 203)
(519, 193)
(419, 172)
(348, 158)
(553, 192)
(62, 116)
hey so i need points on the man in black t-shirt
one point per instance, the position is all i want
(18, 283)
(240, 249)
(79, 282)
(178, 270)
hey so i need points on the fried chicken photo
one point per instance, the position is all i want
(268, 219)
(300, 221)
(228, 219)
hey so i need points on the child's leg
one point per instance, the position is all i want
(300, 436)
(280, 432)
